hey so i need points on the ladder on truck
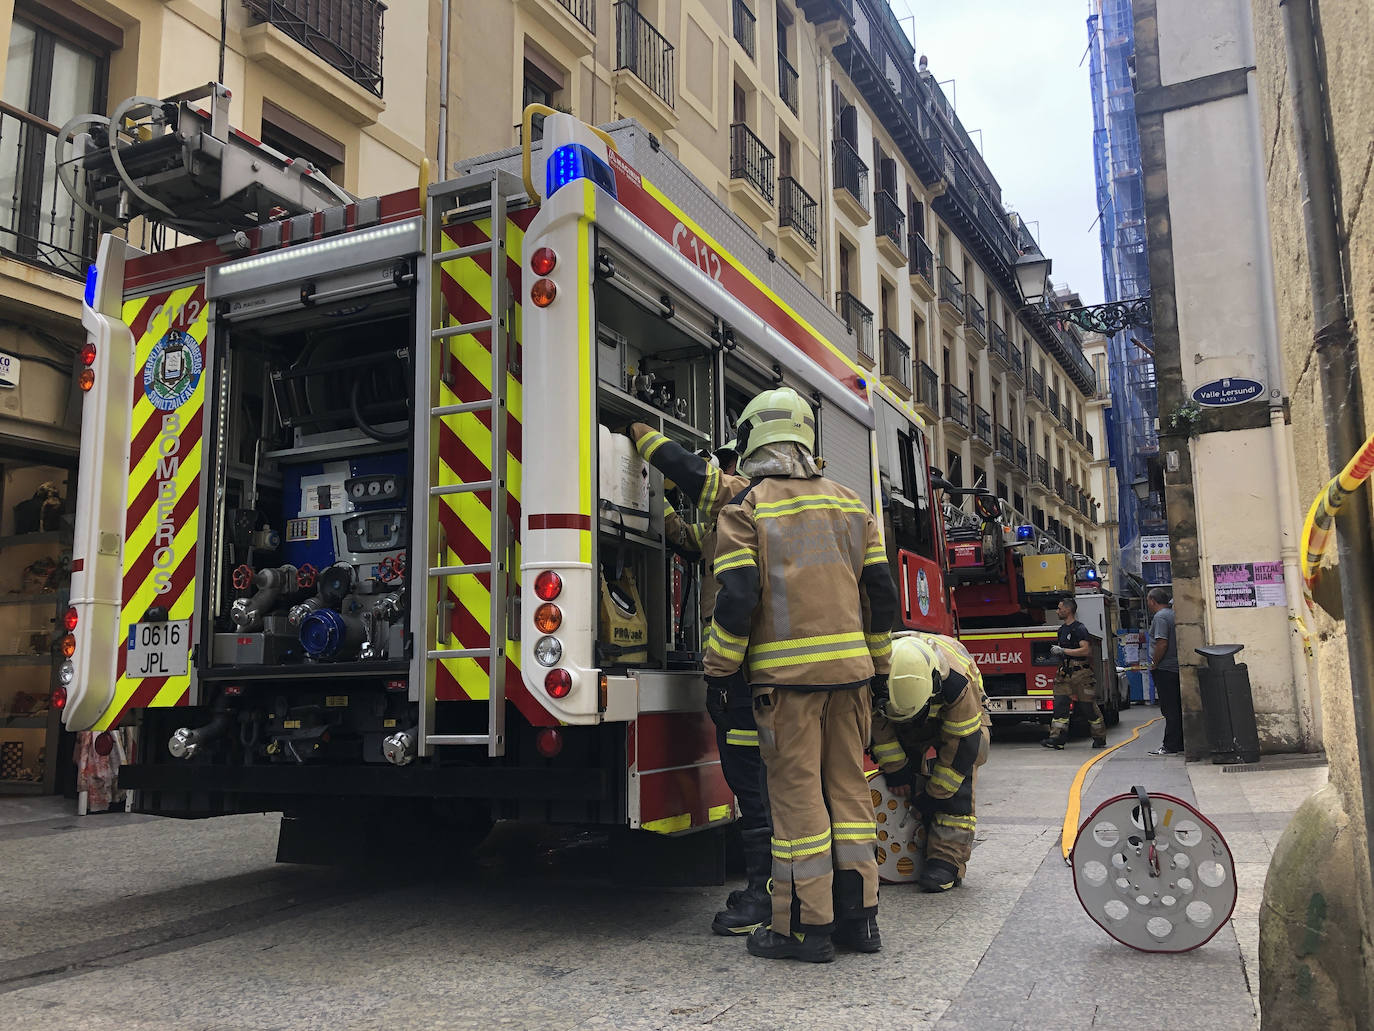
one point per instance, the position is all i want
(470, 197)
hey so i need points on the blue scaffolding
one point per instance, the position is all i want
(1132, 420)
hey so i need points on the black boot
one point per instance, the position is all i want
(1053, 742)
(859, 934)
(938, 875)
(807, 946)
(753, 905)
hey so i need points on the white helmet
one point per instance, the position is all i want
(911, 681)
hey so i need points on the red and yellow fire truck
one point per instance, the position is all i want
(1006, 582)
(353, 537)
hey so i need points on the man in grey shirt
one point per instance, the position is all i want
(1164, 669)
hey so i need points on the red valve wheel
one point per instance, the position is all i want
(388, 571)
(243, 578)
(305, 576)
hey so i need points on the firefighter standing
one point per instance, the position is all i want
(1074, 680)
(710, 486)
(935, 700)
(806, 595)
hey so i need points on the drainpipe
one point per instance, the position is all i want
(1305, 703)
(443, 88)
(1339, 365)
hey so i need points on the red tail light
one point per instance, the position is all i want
(88, 354)
(558, 683)
(233, 690)
(59, 698)
(548, 585)
(543, 261)
(396, 685)
(548, 742)
(69, 619)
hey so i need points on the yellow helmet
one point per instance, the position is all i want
(774, 416)
(912, 679)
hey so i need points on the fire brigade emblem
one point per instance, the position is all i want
(923, 592)
(172, 371)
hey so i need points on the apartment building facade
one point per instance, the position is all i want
(812, 123)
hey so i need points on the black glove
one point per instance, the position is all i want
(715, 701)
(880, 692)
(924, 804)
(905, 777)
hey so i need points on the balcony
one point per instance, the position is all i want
(851, 182)
(1022, 457)
(951, 292)
(583, 10)
(896, 363)
(1016, 362)
(976, 319)
(891, 226)
(1059, 485)
(751, 172)
(744, 26)
(956, 409)
(1052, 403)
(1041, 481)
(859, 319)
(346, 34)
(999, 344)
(921, 267)
(788, 87)
(1036, 387)
(1088, 443)
(39, 223)
(1078, 432)
(927, 390)
(646, 59)
(797, 215)
(982, 427)
(1006, 446)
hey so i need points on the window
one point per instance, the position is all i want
(845, 259)
(955, 473)
(918, 335)
(1002, 490)
(741, 104)
(907, 515)
(916, 215)
(298, 139)
(542, 82)
(345, 33)
(50, 76)
(1019, 503)
(784, 156)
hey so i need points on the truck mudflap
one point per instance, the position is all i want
(675, 780)
(163, 493)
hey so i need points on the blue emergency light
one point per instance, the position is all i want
(1025, 532)
(1089, 573)
(92, 277)
(576, 161)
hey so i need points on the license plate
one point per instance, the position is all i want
(997, 705)
(158, 649)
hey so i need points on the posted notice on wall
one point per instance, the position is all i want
(1249, 585)
(1154, 547)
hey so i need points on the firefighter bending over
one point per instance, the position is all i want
(710, 485)
(1074, 681)
(805, 606)
(935, 700)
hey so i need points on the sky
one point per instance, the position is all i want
(1018, 77)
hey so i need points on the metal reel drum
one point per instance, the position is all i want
(1154, 873)
(899, 854)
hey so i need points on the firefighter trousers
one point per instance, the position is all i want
(737, 741)
(1078, 686)
(824, 834)
(949, 835)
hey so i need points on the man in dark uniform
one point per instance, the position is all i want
(1074, 681)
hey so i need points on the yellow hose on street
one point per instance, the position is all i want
(1069, 834)
(1320, 525)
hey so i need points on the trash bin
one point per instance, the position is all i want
(1228, 708)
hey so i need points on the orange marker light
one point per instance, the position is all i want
(548, 618)
(87, 379)
(543, 292)
(68, 645)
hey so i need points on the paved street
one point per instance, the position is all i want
(119, 922)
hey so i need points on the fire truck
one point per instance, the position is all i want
(355, 542)
(1006, 581)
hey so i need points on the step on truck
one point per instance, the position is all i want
(356, 543)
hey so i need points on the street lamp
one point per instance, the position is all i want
(1141, 488)
(1102, 569)
(1032, 276)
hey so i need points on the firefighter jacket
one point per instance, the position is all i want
(805, 590)
(708, 487)
(952, 723)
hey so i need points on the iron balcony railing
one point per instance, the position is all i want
(744, 26)
(927, 386)
(1005, 444)
(1078, 431)
(922, 261)
(896, 358)
(951, 288)
(788, 87)
(750, 160)
(859, 319)
(1022, 457)
(982, 424)
(642, 50)
(891, 219)
(1088, 442)
(975, 316)
(39, 222)
(956, 405)
(1037, 385)
(1059, 483)
(1017, 361)
(583, 10)
(796, 208)
(1052, 402)
(346, 34)
(997, 340)
(1042, 471)
(850, 172)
